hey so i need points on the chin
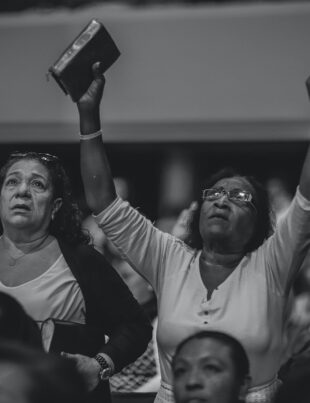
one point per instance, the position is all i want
(20, 222)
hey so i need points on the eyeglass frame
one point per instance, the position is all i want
(227, 193)
(46, 157)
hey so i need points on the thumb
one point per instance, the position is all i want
(69, 356)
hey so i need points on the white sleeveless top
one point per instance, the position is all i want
(54, 294)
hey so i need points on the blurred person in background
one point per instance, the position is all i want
(235, 277)
(64, 284)
(31, 376)
(210, 367)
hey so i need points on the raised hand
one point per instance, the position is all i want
(89, 104)
(92, 97)
(181, 228)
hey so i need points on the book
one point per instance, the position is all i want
(73, 69)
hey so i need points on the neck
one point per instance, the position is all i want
(221, 259)
(22, 240)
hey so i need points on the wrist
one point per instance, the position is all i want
(89, 122)
(90, 136)
(105, 366)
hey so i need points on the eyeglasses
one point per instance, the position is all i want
(236, 195)
(32, 154)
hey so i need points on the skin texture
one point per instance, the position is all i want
(26, 202)
(227, 225)
(204, 372)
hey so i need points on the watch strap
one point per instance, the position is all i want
(106, 370)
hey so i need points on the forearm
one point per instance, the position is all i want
(285, 250)
(128, 341)
(96, 174)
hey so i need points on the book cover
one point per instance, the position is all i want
(73, 69)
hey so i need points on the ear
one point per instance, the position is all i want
(57, 204)
(244, 387)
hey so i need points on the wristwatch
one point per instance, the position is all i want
(105, 371)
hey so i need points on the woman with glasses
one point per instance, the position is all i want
(66, 286)
(235, 277)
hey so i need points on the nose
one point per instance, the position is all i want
(193, 380)
(23, 190)
(222, 202)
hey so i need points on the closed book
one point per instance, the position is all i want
(73, 70)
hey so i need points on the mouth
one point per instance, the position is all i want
(218, 216)
(21, 207)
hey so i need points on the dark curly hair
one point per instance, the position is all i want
(264, 220)
(67, 224)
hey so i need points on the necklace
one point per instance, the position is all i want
(13, 260)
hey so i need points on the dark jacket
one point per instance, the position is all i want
(109, 306)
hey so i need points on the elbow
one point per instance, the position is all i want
(99, 203)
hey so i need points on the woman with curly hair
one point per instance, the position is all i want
(61, 281)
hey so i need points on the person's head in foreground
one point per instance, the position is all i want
(32, 376)
(211, 367)
(233, 214)
(16, 324)
(36, 198)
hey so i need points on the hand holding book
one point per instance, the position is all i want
(73, 70)
(89, 103)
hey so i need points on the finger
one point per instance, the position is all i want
(98, 71)
(183, 217)
(194, 206)
(68, 355)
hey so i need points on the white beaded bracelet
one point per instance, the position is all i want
(90, 135)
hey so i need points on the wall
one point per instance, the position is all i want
(185, 74)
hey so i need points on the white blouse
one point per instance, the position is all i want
(251, 304)
(53, 294)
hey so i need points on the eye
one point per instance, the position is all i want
(213, 194)
(238, 194)
(38, 184)
(179, 371)
(11, 182)
(211, 368)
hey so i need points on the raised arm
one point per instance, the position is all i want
(96, 174)
(304, 182)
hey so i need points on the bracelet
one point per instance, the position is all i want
(91, 135)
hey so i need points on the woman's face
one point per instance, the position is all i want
(26, 198)
(203, 372)
(228, 222)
